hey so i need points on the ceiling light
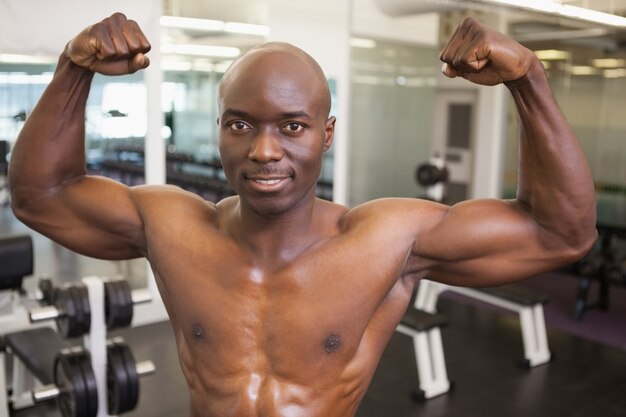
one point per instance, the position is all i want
(177, 22)
(614, 73)
(246, 29)
(552, 55)
(565, 10)
(583, 70)
(200, 50)
(592, 15)
(208, 25)
(608, 63)
(26, 59)
(362, 43)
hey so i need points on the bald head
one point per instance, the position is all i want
(278, 63)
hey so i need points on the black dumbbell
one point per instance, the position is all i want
(46, 290)
(123, 377)
(75, 388)
(71, 310)
(428, 174)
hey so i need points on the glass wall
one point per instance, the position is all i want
(589, 85)
(392, 96)
(21, 86)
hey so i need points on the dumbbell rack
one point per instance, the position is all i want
(95, 341)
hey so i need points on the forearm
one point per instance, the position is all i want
(50, 149)
(555, 184)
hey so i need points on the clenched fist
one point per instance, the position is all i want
(484, 56)
(113, 46)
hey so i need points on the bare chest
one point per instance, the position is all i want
(318, 304)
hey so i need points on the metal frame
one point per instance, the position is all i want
(532, 321)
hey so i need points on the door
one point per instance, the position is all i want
(454, 138)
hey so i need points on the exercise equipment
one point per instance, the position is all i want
(43, 364)
(527, 303)
(433, 175)
(16, 258)
(70, 307)
(429, 174)
(123, 375)
(425, 330)
(75, 387)
(605, 264)
(100, 382)
(616, 272)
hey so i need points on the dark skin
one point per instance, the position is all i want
(281, 303)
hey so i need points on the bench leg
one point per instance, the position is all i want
(428, 295)
(532, 322)
(431, 366)
(22, 386)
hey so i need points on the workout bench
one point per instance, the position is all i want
(101, 381)
(527, 303)
(424, 328)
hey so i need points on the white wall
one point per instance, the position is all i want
(37, 27)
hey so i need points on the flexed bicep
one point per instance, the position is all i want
(50, 189)
(486, 243)
(94, 216)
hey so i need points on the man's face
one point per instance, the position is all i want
(273, 130)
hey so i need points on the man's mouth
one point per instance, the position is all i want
(271, 181)
(268, 183)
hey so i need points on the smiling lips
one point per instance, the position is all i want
(268, 183)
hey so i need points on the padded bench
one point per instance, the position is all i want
(36, 350)
(524, 301)
(424, 328)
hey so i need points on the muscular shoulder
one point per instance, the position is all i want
(163, 202)
(402, 215)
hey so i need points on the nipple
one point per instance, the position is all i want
(197, 332)
(332, 343)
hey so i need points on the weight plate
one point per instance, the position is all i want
(131, 373)
(68, 377)
(128, 304)
(82, 297)
(111, 304)
(118, 304)
(79, 314)
(47, 290)
(66, 322)
(91, 385)
(117, 381)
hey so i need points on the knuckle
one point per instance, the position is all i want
(118, 16)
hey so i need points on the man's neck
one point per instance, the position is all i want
(278, 237)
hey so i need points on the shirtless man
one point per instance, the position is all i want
(282, 303)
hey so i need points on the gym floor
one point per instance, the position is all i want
(482, 346)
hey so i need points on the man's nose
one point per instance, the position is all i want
(265, 148)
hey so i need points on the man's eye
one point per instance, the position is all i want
(294, 127)
(238, 125)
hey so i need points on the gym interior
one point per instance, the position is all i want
(554, 344)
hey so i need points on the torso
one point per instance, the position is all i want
(286, 338)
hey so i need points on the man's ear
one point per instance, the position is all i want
(329, 132)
